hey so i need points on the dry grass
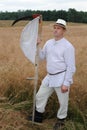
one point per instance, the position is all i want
(15, 68)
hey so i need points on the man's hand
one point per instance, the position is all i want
(38, 40)
(64, 89)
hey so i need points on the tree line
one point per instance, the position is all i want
(71, 15)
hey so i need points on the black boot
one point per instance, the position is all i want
(38, 117)
(59, 124)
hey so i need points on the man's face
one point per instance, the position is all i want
(58, 31)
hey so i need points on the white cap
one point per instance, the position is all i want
(61, 22)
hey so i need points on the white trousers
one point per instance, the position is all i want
(42, 97)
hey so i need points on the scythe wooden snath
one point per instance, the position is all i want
(36, 68)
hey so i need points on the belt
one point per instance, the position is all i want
(57, 72)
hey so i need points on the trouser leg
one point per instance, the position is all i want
(42, 97)
(63, 101)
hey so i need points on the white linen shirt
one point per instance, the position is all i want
(59, 56)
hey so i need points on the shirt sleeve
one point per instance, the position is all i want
(69, 57)
(42, 53)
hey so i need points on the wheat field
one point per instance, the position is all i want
(15, 68)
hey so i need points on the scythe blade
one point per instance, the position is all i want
(25, 18)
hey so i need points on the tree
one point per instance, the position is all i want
(70, 16)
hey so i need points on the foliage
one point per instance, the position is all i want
(70, 16)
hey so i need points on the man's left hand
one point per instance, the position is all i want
(64, 89)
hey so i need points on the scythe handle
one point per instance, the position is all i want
(36, 69)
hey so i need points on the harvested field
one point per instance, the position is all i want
(15, 89)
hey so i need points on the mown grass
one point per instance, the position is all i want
(15, 68)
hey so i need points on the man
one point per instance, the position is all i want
(60, 57)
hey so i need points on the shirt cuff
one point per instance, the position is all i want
(66, 84)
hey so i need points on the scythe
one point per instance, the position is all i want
(35, 78)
